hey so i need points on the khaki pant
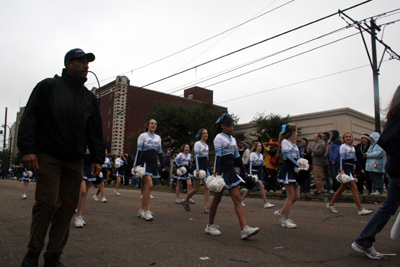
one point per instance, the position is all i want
(318, 171)
(57, 196)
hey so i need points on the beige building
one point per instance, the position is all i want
(343, 120)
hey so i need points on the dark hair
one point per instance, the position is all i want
(227, 121)
(255, 146)
(305, 139)
(200, 133)
(394, 106)
(319, 135)
(326, 134)
(290, 129)
(146, 125)
(183, 147)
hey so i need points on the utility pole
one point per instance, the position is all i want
(375, 73)
(373, 61)
(5, 136)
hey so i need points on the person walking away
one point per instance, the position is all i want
(389, 141)
(61, 118)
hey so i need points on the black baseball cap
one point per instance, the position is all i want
(77, 53)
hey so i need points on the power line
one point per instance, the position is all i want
(210, 38)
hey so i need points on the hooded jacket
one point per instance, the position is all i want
(334, 147)
(61, 118)
(390, 142)
(376, 156)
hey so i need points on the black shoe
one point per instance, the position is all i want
(186, 206)
(53, 261)
(316, 192)
(30, 260)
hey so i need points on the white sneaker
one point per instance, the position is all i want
(148, 216)
(23, 196)
(78, 222)
(331, 192)
(376, 193)
(212, 229)
(141, 214)
(271, 191)
(331, 208)
(279, 215)
(95, 198)
(84, 223)
(288, 224)
(117, 193)
(151, 196)
(178, 201)
(268, 205)
(191, 201)
(249, 231)
(243, 204)
(104, 200)
(364, 212)
(370, 252)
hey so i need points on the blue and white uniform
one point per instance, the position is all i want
(148, 149)
(290, 153)
(183, 160)
(105, 167)
(26, 176)
(201, 157)
(257, 163)
(226, 154)
(87, 168)
(121, 170)
(348, 159)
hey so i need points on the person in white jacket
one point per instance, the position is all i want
(376, 159)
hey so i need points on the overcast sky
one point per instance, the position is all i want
(126, 35)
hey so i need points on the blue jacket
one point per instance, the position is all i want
(390, 142)
(334, 147)
(376, 156)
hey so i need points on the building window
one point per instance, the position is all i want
(109, 110)
(190, 96)
(108, 124)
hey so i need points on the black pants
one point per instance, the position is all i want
(364, 177)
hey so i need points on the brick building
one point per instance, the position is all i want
(124, 108)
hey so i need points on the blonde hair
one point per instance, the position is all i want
(351, 137)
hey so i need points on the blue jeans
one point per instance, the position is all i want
(334, 171)
(377, 179)
(382, 216)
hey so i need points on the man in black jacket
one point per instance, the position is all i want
(61, 118)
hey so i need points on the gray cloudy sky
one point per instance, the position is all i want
(125, 35)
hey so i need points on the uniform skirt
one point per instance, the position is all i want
(204, 166)
(286, 174)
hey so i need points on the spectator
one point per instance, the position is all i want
(327, 172)
(271, 161)
(376, 159)
(334, 157)
(246, 154)
(318, 162)
(305, 154)
(361, 150)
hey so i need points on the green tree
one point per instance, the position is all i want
(269, 125)
(178, 124)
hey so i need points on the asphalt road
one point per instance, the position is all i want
(115, 236)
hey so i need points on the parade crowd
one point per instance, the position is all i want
(62, 143)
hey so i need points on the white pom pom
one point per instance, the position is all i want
(117, 164)
(344, 179)
(216, 183)
(305, 163)
(30, 174)
(253, 177)
(181, 171)
(202, 174)
(101, 175)
(138, 171)
(25, 174)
